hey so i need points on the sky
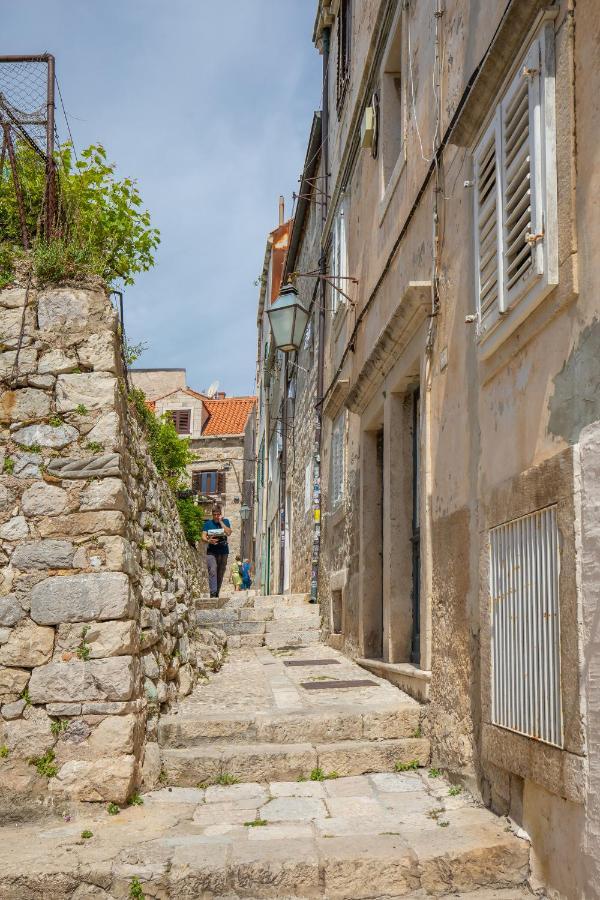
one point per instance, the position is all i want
(208, 106)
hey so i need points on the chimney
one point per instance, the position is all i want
(220, 395)
(281, 209)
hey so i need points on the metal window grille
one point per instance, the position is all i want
(337, 461)
(524, 574)
(344, 37)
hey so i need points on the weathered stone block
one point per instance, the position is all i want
(12, 298)
(106, 494)
(30, 735)
(84, 523)
(15, 529)
(26, 362)
(101, 465)
(11, 610)
(96, 679)
(43, 500)
(90, 389)
(64, 709)
(113, 736)
(63, 309)
(43, 555)
(81, 598)
(106, 431)
(24, 404)
(56, 362)
(28, 645)
(99, 352)
(46, 435)
(98, 781)
(12, 683)
(13, 710)
(118, 638)
(11, 322)
(27, 465)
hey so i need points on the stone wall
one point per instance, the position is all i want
(98, 582)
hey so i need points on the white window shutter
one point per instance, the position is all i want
(488, 231)
(521, 187)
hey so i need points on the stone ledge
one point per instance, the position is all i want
(557, 771)
(408, 678)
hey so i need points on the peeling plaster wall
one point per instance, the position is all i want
(496, 426)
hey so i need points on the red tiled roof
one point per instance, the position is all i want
(228, 416)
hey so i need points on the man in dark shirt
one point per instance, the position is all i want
(217, 550)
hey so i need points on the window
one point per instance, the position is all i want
(516, 252)
(210, 482)
(392, 103)
(339, 258)
(182, 420)
(260, 475)
(344, 38)
(524, 590)
(337, 461)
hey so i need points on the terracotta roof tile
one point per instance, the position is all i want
(228, 416)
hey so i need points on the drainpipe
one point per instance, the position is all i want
(322, 307)
(283, 476)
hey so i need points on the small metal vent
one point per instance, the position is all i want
(524, 576)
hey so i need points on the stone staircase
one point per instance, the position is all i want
(274, 621)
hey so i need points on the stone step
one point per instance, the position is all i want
(288, 762)
(176, 731)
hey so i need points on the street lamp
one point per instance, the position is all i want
(288, 318)
(244, 512)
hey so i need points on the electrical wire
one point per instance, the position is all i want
(66, 117)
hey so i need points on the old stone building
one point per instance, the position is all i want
(445, 391)
(220, 430)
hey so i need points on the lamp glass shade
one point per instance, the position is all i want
(244, 512)
(288, 317)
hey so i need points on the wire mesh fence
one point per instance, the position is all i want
(28, 178)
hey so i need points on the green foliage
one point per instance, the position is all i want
(24, 695)
(406, 767)
(417, 733)
(226, 779)
(192, 518)
(103, 229)
(135, 890)
(82, 409)
(95, 447)
(112, 809)
(35, 448)
(55, 421)
(454, 791)
(321, 775)
(87, 834)
(133, 351)
(4, 751)
(135, 800)
(59, 726)
(45, 764)
(8, 467)
(256, 823)
(435, 773)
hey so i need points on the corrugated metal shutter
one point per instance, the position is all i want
(524, 576)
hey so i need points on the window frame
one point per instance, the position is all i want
(514, 304)
(219, 478)
(339, 258)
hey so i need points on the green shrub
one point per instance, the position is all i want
(45, 764)
(103, 229)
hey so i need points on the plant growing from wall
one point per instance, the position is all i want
(102, 228)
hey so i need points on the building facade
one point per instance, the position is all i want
(457, 422)
(220, 430)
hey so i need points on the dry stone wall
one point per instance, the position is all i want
(98, 583)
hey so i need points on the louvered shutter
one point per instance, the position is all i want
(488, 232)
(221, 482)
(521, 179)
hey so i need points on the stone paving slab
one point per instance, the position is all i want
(335, 840)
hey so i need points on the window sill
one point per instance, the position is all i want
(391, 186)
(508, 322)
(337, 514)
